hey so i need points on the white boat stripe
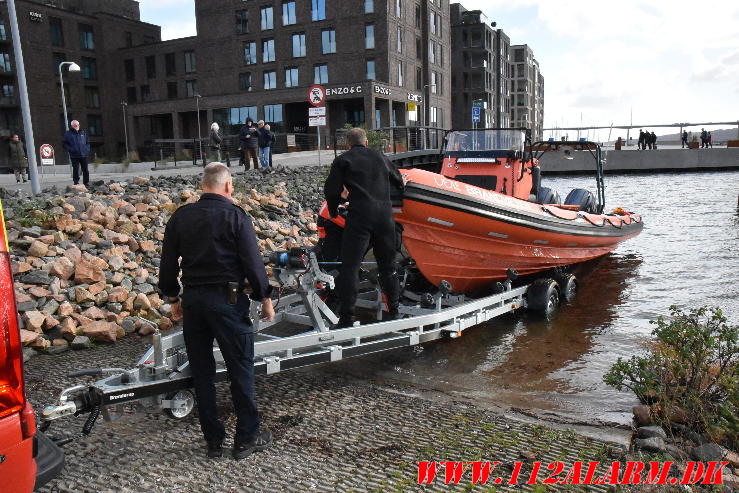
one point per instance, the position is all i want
(440, 221)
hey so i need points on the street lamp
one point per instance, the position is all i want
(73, 67)
(426, 109)
(200, 138)
(125, 127)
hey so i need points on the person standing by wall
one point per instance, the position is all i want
(642, 140)
(249, 138)
(215, 143)
(685, 139)
(265, 143)
(17, 158)
(710, 140)
(216, 263)
(652, 141)
(77, 145)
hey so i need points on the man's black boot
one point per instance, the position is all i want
(215, 449)
(258, 442)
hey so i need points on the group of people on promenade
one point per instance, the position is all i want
(647, 140)
(253, 141)
(706, 139)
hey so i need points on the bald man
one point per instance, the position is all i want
(77, 145)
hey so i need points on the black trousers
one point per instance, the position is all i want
(251, 153)
(77, 163)
(374, 228)
(208, 316)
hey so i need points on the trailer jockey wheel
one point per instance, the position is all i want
(181, 404)
(543, 297)
(567, 287)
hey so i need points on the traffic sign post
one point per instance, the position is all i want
(317, 114)
(475, 114)
(46, 152)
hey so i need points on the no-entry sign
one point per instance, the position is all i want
(316, 95)
(47, 155)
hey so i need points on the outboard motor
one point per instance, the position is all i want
(535, 183)
(548, 196)
(582, 198)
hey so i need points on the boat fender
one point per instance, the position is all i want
(589, 219)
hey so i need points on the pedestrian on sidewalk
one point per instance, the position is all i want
(652, 141)
(265, 143)
(215, 143)
(17, 158)
(710, 140)
(704, 138)
(77, 145)
(641, 142)
(685, 139)
(249, 138)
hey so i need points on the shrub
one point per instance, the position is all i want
(692, 369)
(376, 139)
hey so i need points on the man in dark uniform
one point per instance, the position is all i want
(367, 176)
(217, 244)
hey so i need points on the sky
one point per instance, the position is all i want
(664, 61)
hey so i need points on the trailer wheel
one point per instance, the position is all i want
(543, 297)
(182, 403)
(567, 287)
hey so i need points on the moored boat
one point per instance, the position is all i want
(486, 212)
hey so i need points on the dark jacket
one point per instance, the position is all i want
(253, 140)
(17, 155)
(217, 243)
(76, 143)
(368, 175)
(266, 137)
(215, 140)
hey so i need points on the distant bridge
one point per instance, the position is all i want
(653, 125)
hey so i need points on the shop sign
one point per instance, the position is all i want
(343, 90)
(384, 91)
(411, 106)
(36, 16)
(416, 98)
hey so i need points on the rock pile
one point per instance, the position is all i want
(86, 261)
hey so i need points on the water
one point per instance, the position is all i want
(687, 255)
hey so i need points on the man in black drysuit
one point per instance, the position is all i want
(216, 241)
(368, 176)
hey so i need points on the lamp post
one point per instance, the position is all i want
(73, 67)
(197, 97)
(426, 109)
(125, 127)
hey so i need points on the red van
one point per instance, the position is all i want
(28, 459)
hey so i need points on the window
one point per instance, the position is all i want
(151, 67)
(191, 88)
(400, 74)
(291, 77)
(8, 91)
(419, 17)
(130, 94)
(288, 13)
(145, 94)
(419, 48)
(189, 62)
(432, 52)
(56, 31)
(172, 90)
(57, 58)
(328, 38)
(242, 21)
(270, 80)
(250, 52)
(87, 39)
(5, 65)
(369, 6)
(398, 8)
(170, 65)
(433, 116)
(318, 10)
(432, 22)
(320, 74)
(267, 16)
(434, 83)
(94, 125)
(3, 32)
(130, 70)
(419, 79)
(268, 50)
(92, 97)
(245, 81)
(371, 69)
(273, 113)
(299, 45)
(89, 69)
(128, 39)
(369, 36)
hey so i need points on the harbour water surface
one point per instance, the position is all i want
(687, 255)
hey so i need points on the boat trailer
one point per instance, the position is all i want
(300, 335)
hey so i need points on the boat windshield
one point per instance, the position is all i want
(485, 140)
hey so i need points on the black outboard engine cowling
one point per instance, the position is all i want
(582, 198)
(548, 196)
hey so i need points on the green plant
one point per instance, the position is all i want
(33, 213)
(376, 139)
(692, 369)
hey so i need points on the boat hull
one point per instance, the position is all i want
(470, 236)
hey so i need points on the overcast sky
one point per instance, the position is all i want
(668, 60)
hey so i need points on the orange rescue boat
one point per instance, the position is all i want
(486, 212)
